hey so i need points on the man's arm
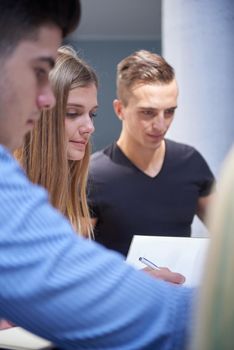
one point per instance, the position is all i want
(73, 291)
(202, 206)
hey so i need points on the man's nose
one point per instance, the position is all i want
(46, 98)
(159, 122)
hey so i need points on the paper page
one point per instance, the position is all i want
(19, 339)
(184, 255)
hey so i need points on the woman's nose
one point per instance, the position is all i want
(87, 127)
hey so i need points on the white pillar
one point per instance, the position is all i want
(198, 41)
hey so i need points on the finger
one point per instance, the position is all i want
(166, 275)
(176, 278)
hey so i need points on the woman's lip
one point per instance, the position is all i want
(81, 142)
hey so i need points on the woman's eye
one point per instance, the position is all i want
(71, 115)
(93, 115)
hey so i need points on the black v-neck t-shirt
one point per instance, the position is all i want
(126, 201)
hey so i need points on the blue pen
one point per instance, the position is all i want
(149, 263)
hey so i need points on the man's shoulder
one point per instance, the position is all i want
(179, 146)
(97, 156)
(105, 163)
(181, 153)
(102, 156)
(13, 176)
(8, 164)
(4, 153)
(179, 149)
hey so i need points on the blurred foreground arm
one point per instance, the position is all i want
(72, 291)
(203, 206)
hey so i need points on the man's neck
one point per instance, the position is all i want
(149, 161)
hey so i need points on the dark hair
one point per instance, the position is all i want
(20, 19)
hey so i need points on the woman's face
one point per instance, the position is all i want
(81, 109)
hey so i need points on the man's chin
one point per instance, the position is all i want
(17, 145)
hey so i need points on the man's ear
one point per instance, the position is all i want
(118, 108)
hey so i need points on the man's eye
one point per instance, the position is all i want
(41, 73)
(169, 112)
(148, 113)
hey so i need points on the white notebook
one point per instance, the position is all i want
(17, 338)
(184, 255)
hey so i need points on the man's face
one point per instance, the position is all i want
(148, 114)
(24, 85)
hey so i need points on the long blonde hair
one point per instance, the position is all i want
(44, 152)
(215, 319)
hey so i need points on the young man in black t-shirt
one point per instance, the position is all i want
(144, 183)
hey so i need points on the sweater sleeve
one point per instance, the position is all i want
(73, 291)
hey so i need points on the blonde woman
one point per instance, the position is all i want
(215, 321)
(56, 153)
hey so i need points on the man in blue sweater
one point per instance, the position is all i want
(52, 282)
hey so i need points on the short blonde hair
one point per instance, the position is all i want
(142, 67)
